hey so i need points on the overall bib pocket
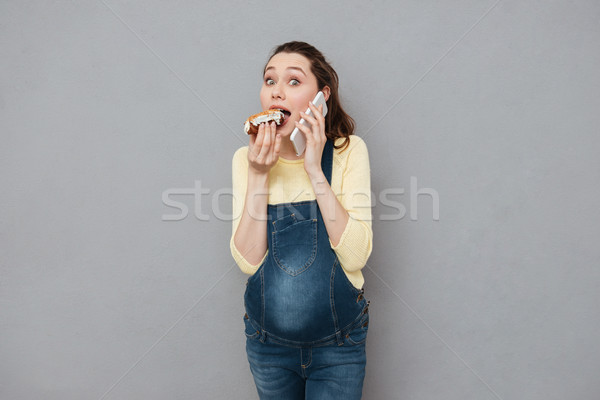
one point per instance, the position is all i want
(295, 245)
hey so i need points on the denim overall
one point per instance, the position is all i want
(300, 296)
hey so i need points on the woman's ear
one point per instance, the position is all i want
(326, 92)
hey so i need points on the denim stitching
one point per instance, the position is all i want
(299, 345)
(354, 288)
(332, 302)
(310, 260)
(262, 299)
(301, 366)
(291, 207)
(337, 262)
(309, 358)
(292, 204)
(361, 329)
(255, 334)
(286, 216)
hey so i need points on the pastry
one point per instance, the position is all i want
(252, 123)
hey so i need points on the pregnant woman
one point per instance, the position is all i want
(302, 231)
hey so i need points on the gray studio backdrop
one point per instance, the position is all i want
(114, 112)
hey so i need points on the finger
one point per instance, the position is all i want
(266, 142)
(321, 119)
(267, 136)
(257, 142)
(273, 142)
(269, 141)
(315, 126)
(273, 135)
(320, 115)
(308, 118)
(307, 132)
(253, 148)
(317, 112)
(260, 136)
(277, 145)
(273, 132)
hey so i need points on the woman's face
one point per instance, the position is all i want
(288, 84)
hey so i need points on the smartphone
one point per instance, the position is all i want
(297, 137)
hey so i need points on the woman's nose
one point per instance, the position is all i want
(277, 91)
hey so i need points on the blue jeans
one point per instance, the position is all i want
(313, 373)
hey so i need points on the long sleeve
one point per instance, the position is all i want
(356, 243)
(239, 181)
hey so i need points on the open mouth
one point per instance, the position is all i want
(286, 115)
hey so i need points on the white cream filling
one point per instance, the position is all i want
(277, 117)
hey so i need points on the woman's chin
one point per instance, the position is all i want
(285, 131)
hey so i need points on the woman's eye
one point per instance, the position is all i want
(293, 82)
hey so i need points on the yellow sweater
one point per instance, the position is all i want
(288, 182)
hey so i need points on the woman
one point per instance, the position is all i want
(302, 230)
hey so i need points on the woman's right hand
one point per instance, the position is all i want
(263, 151)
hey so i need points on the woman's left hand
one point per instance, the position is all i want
(315, 140)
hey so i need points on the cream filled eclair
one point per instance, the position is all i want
(252, 123)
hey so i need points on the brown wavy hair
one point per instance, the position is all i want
(338, 124)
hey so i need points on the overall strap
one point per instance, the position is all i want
(327, 160)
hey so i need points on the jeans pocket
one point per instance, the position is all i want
(358, 335)
(295, 246)
(249, 330)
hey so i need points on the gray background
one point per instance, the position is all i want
(105, 105)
